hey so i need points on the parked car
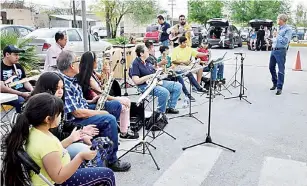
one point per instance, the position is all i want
(43, 39)
(198, 37)
(255, 24)
(298, 33)
(152, 34)
(216, 27)
(21, 31)
(99, 31)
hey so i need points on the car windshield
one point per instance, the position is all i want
(42, 33)
(152, 28)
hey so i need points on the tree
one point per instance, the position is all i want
(113, 11)
(301, 15)
(201, 11)
(243, 11)
(29, 60)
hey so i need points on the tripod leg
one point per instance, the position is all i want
(130, 150)
(223, 147)
(246, 100)
(151, 145)
(184, 148)
(152, 155)
(227, 89)
(197, 119)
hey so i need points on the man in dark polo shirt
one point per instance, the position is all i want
(141, 71)
(164, 36)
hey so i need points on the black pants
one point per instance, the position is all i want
(258, 45)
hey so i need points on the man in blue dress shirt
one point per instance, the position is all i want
(279, 52)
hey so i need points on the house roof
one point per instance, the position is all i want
(71, 17)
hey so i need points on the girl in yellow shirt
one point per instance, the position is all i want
(42, 112)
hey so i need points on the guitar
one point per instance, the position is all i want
(175, 36)
(11, 83)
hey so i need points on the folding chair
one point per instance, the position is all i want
(5, 119)
(29, 164)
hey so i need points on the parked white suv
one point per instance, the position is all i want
(99, 31)
(43, 38)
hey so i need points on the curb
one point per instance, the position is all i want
(291, 44)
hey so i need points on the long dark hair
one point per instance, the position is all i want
(37, 109)
(47, 82)
(86, 68)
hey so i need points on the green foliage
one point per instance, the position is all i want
(243, 11)
(201, 11)
(122, 40)
(113, 11)
(29, 60)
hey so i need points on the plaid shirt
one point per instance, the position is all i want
(73, 97)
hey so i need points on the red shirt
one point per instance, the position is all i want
(202, 50)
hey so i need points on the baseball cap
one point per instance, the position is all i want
(12, 49)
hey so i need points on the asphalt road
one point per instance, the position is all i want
(269, 135)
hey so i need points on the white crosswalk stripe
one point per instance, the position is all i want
(191, 167)
(283, 172)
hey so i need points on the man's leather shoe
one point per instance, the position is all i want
(172, 111)
(119, 166)
(278, 92)
(273, 87)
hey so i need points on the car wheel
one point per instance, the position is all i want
(240, 43)
(96, 34)
(232, 44)
(248, 47)
(209, 45)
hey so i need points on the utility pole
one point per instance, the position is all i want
(84, 26)
(172, 3)
(74, 25)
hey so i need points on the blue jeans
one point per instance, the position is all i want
(165, 43)
(75, 148)
(220, 71)
(168, 94)
(214, 72)
(91, 176)
(184, 88)
(113, 107)
(107, 125)
(191, 78)
(278, 57)
(17, 103)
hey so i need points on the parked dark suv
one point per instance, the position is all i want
(198, 37)
(216, 27)
(255, 24)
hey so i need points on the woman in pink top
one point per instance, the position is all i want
(90, 82)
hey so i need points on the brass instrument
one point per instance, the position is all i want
(106, 84)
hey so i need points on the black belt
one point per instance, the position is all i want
(278, 48)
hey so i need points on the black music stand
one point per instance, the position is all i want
(143, 142)
(208, 138)
(235, 81)
(241, 94)
(190, 114)
(124, 62)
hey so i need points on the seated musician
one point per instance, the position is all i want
(77, 109)
(181, 58)
(141, 71)
(12, 71)
(165, 60)
(151, 49)
(31, 133)
(218, 69)
(91, 83)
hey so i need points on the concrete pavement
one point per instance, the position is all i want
(269, 135)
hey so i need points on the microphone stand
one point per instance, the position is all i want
(241, 94)
(235, 81)
(208, 138)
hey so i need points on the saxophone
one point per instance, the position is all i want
(106, 85)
